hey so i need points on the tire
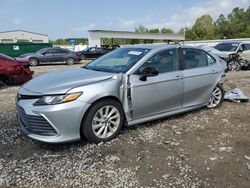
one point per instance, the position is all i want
(103, 121)
(216, 97)
(7, 80)
(2, 83)
(33, 62)
(234, 65)
(83, 57)
(70, 61)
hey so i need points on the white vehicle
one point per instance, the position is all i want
(238, 54)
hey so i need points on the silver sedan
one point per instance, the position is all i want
(125, 87)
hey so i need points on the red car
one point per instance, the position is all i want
(13, 71)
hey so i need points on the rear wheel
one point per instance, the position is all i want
(216, 97)
(70, 61)
(233, 65)
(83, 57)
(103, 121)
(33, 62)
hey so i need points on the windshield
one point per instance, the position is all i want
(119, 60)
(228, 47)
(3, 56)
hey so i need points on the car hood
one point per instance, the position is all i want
(62, 81)
(26, 55)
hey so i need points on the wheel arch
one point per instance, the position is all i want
(38, 60)
(108, 97)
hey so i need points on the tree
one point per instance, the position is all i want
(141, 29)
(167, 31)
(204, 28)
(223, 29)
(238, 22)
(154, 30)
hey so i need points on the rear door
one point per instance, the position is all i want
(92, 53)
(200, 76)
(160, 93)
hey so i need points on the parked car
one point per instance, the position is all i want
(50, 55)
(13, 71)
(93, 52)
(124, 87)
(221, 54)
(238, 54)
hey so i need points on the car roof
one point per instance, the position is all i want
(162, 46)
(154, 46)
(230, 42)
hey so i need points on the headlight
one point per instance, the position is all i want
(57, 99)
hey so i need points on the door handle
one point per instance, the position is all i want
(177, 77)
(214, 71)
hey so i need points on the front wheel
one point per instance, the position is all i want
(233, 65)
(103, 121)
(33, 62)
(216, 97)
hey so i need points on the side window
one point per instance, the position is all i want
(210, 60)
(242, 47)
(92, 49)
(58, 51)
(247, 47)
(51, 51)
(194, 58)
(164, 61)
(98, 50)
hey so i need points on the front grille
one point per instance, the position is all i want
(35, 124)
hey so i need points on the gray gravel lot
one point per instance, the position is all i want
(204, 148)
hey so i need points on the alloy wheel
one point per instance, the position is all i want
(234, 66)
(106, 121)
(215, 98)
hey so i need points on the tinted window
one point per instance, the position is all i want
(227, 46)
(194, 58)
(60, 51)
(246, 47)
(92, 49)
(99, 50)
(164, 61)
(51, 51)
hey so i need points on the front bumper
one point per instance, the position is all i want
(51, 123)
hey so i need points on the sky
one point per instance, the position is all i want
(72, 18)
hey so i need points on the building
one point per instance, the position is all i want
(22, 36)
(95, 36)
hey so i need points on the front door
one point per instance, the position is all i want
(47, 56)
(160, 93)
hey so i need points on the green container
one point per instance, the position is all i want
(17, 49)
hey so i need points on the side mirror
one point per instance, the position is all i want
(148, 72)
(44, 53)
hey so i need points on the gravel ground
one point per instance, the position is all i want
(204, 148)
